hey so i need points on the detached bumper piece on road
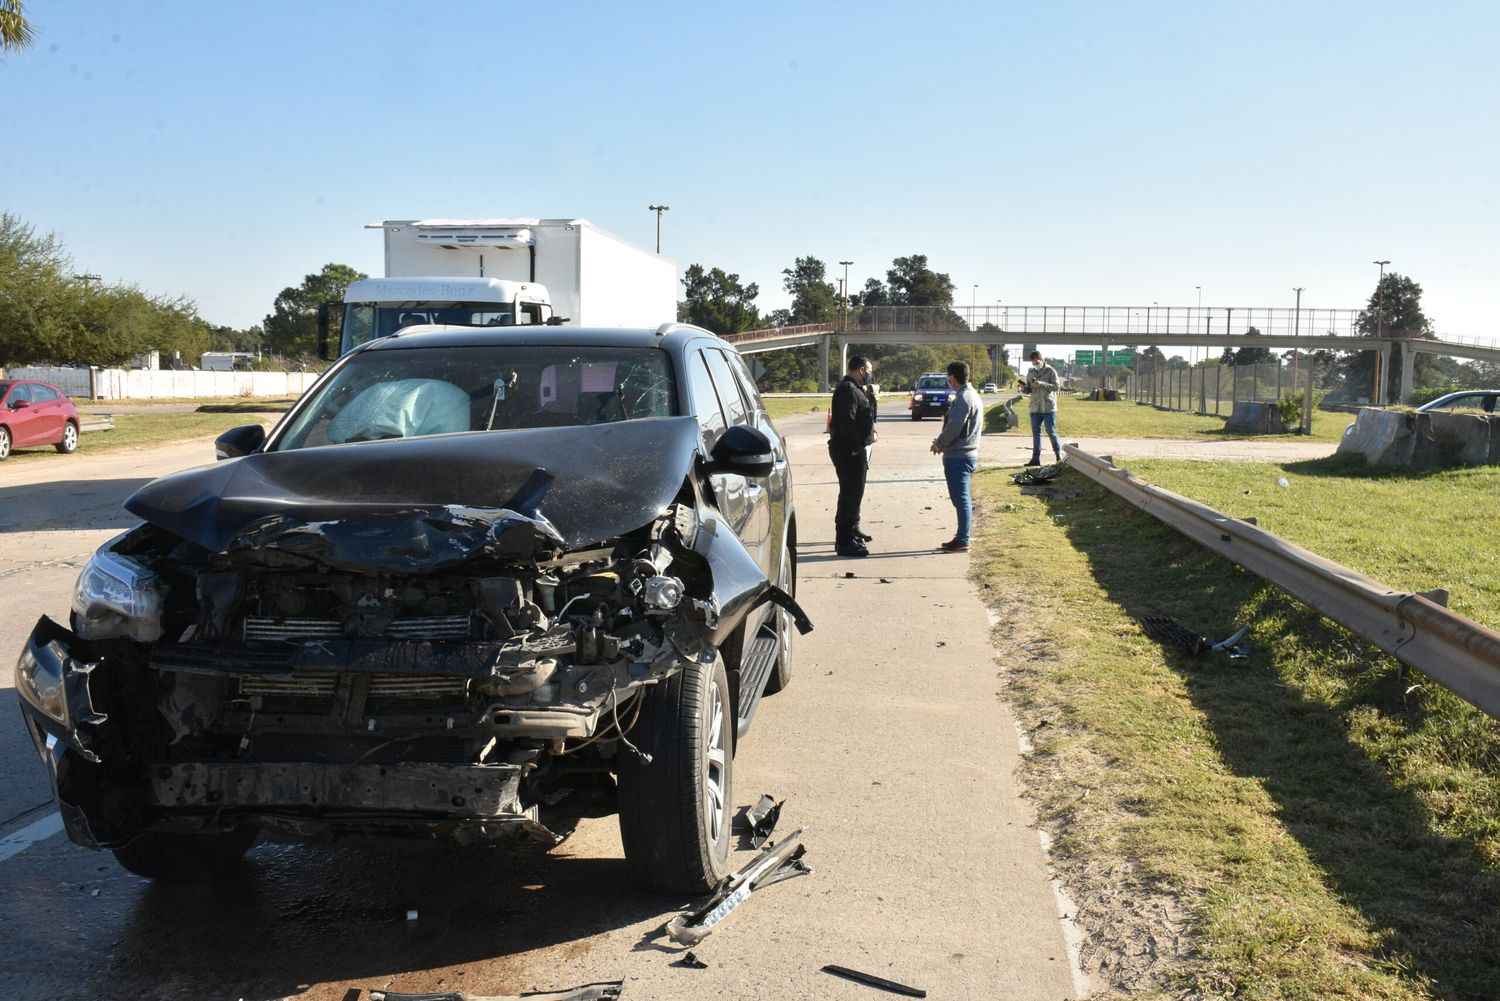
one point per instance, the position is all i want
(606, 991)
(774, 864)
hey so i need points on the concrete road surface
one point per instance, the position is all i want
(891, 743)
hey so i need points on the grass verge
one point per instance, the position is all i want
(1077, 418)
(1310, 822)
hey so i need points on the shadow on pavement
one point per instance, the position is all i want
(68, 505)
(296, 916)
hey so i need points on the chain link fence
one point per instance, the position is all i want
(1205, 389)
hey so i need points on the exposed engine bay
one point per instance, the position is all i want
(274, 682)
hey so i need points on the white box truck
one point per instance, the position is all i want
(500, 272)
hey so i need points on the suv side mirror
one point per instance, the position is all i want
(744, 450)
(239, 441)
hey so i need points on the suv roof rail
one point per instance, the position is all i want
(671, 326)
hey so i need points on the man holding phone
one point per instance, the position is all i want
(1040, 383)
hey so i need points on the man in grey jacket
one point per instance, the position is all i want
(958, 444)
(1041, 383)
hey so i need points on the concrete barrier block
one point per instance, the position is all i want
(1255, 418)
(1458, 438)
(1383, 437)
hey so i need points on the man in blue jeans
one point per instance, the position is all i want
(958, 444)
(1041, 385)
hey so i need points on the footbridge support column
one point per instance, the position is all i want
(1408, 371)
(824, 345)
(1384, 380)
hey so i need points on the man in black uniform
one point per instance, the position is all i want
(851, 430)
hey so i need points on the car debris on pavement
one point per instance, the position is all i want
(604, 991)
(870, 980)
(775, 863)
(762, 819)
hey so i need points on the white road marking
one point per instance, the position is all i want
(37, 830)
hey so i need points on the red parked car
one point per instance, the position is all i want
(34, 413)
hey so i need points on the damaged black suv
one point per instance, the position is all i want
(474, 586)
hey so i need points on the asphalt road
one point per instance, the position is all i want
(891, 743)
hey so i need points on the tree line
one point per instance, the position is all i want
(50, 313)
(719, 301)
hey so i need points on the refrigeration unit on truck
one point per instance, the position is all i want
(504, 272)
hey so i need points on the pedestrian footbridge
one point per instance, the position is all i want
(1165, 327)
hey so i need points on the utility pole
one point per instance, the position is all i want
(658, 209)
(1376, 396)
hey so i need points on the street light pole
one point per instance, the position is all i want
(658, 209)
(1199, 289)
(844, 325)
(1376, 396)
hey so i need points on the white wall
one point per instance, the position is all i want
(119, 384)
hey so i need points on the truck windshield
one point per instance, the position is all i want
(365, 321)
(413, 392)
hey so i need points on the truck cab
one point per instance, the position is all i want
(378, 307)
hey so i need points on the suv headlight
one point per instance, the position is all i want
(40, 682)
(116, 597)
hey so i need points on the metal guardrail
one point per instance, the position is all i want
(96, 422)
(1453, 650)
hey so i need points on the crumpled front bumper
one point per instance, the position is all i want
(64, 746)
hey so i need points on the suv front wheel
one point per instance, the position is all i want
(675, 810)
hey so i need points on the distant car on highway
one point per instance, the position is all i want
(930, 395)
(989, 387)
(1466, 399)
(36, 413)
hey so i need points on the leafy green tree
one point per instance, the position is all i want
(814, 297)
(36, 291)
(1394, 310)
(292, 327)
(15, 29)
(717, 301)
(1248, 356)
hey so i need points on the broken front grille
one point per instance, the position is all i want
(383, 687)
(429, 627)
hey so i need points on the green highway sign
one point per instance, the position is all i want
(1124, 359)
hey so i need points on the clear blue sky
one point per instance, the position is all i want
(1080, 153)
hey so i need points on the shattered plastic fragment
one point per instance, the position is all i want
(691, 962)
(762, 817)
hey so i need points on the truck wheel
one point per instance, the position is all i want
(675, 811)
(69, 443)
(177, 857)
(781, 673)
